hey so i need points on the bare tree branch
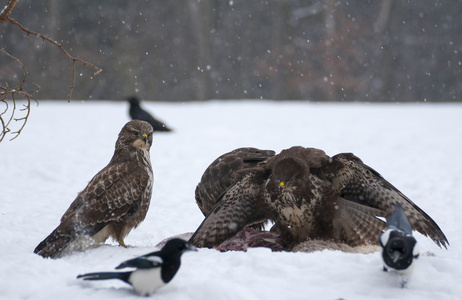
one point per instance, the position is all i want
(60, 47)
(6, 91)
(7, 10)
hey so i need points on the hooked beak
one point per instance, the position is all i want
(282, 187)
(144, 137)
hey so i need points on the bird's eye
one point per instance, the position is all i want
(136, 133)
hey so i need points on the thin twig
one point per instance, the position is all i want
(4, 92)
(25, 118)
(22, 67)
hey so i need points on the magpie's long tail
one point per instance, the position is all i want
(106, 275)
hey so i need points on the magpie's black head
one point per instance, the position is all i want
(133, 100)
(399, 249)
(177, 246)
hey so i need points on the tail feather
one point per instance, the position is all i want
(399, 220)
(106, 275)
(63, 238)
(53, 245)
(360, 223)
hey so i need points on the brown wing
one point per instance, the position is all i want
(240, 206)
(112, 195)
(109, 195)
(225, 172)
(365, 194)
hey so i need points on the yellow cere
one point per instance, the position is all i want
(281, 184)
(145, 135)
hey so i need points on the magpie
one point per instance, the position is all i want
(137, 113)
(152, 270)
(399, 247)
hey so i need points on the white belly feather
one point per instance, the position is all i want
(146, 281)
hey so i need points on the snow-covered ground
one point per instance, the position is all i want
(417, 147)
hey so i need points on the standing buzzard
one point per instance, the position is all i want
(309, 195)
(114, 202)
(137, 113)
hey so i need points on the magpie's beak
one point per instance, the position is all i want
(190, 247)
(395, 256)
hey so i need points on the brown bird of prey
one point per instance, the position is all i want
(309, 196)
(226, 171)
(114, 202)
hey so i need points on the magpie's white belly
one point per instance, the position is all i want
(146, 281)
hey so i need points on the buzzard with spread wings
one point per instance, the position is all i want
(114, 202)
(308, 195)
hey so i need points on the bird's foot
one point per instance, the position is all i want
(121, 243)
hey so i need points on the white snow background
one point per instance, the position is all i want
(417, 147)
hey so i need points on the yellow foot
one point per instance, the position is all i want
(121, 243)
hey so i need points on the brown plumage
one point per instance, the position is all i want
(114, 202)
(309, 195)
(226, 171)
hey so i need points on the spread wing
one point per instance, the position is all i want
(112, 195)
(240, 206)
(225, 172)
(365, 194)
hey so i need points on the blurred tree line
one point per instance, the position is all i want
(320, 50)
